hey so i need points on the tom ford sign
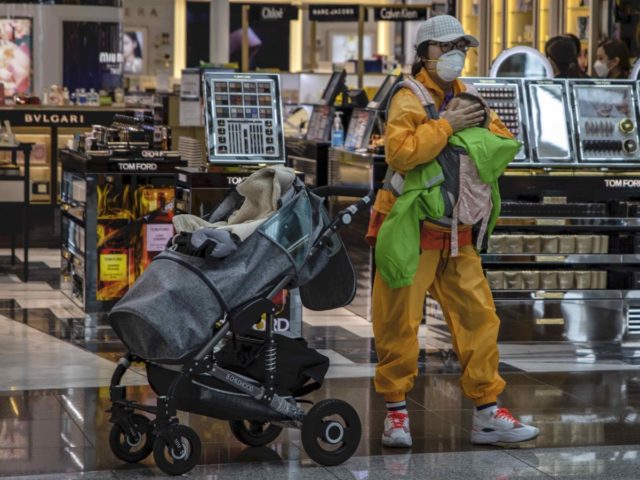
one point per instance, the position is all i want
(273, 12)
(404, 14)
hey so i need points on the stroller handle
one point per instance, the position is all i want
(346, 216)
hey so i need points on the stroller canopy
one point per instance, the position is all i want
(171, 310)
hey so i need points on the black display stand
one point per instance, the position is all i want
(25, 148)
(360, 170)
(556, 204)
(54, 121)
(82, 175)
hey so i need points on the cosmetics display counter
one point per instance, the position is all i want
(14, 182)
(116, 216)
(360, 163)
(564, 260)
(49, 129)
(310, 153)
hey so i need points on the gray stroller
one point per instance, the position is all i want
(190, 318)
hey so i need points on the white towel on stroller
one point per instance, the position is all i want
(261, 190)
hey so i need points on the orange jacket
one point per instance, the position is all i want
(412, 139)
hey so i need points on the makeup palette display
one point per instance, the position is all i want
(505, 98)
(605, 121)
(243, 118)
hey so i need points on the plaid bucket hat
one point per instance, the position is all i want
(443, 28)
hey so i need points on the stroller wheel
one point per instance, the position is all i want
(134, 449)
(254, 434)
(331, 432)
(179, 456)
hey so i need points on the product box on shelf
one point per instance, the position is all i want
(154, 214)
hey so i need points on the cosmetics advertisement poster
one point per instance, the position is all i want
(133, 51)
(610, 102)
(92, 55)
(16, 55)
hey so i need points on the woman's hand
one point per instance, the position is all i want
(461, 118)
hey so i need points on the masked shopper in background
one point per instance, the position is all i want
(563, 55)
(457, 283)
(612, 60)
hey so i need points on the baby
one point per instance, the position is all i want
(464, 100)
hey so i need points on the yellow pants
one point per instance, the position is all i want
(458, 284)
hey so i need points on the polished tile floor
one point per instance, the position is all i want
(54, 396)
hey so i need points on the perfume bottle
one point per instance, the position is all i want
(92, 98)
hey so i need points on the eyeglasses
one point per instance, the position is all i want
(462, 45)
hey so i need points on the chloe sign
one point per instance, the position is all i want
(273, 12)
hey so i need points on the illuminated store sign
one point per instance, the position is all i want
(335, 13)
(273, 12)
(404, 14)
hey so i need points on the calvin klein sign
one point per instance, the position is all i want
(273, 12)
(404, 14)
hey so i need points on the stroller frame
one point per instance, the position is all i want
(176, 447)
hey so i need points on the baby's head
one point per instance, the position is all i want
(464, 100)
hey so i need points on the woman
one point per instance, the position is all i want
(612, 60)
(457, 283)
(563, 55)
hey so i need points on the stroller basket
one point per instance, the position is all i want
(171, 310)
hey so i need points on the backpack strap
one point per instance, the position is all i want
(421, 93)
(394, 181)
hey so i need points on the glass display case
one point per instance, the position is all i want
(470, 17)
(520, 23)
(577, 13)
(497, 28)
(544, 23)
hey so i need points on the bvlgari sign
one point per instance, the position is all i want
(273, 12)
(404, 14)
(70, 116)
(54, 119)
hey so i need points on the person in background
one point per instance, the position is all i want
(583, 61)
(612, 60)
(563, 55)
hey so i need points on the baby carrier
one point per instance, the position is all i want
(467, 200)
(190, 318)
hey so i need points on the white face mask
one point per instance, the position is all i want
(449, 66)
(601, 69)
